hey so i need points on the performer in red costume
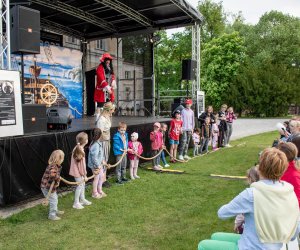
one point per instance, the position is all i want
(106, 83)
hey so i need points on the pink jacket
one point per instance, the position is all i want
(77, 168)
(139, 150)
(156, 139)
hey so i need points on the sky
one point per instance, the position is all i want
(254, 9)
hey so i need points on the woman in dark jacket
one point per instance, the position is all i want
(208, 113)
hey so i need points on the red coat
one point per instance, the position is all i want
(139, 152)
(99, 95)
(292, 176)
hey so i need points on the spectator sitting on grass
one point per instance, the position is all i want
(270, 207)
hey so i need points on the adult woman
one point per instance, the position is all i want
(104, 123)
(270, 208)
(294, 126)
(208, 113)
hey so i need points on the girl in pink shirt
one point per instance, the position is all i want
(156, 138)
(135, 148)
(78, 170)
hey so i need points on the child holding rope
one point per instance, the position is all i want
(120, 144)
(135, 148)
(50, 183)
(196, 141)
(96, 163)
(78, 171)
(164, 128)
(156, 138)
(174, 133)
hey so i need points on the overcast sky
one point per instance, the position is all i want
(254, 9)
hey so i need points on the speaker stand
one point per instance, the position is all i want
(22, 78)
(187, 88)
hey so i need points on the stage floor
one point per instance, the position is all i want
(88, 122)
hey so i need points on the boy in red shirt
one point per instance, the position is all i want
(174, 133)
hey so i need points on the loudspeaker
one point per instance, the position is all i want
(59, 117)
(176, 106)
(189, 69)
(25, 30)
(34, 118)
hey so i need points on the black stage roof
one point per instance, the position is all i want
(91, 19)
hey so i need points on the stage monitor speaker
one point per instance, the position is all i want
(175, 107)
(25, 30)
(34, 118)
(189, 69)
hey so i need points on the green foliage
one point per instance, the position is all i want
(214, 20)
(221, 59)
(158, 211)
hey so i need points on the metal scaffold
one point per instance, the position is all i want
(196, 57)
(5, 52)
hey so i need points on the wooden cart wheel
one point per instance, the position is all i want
(49, 94)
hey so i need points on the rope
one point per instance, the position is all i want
(150, 158)
(183, 161)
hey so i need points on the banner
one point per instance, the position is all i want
(11, 122)
(53, 77)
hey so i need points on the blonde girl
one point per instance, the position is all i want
(78, 171)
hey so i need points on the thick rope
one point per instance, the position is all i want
(183, 161)
(150, 158)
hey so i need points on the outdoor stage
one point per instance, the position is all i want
(24, 158)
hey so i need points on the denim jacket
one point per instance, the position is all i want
(95, 157)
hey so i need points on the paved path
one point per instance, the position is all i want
(246, 127)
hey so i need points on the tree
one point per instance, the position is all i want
(221, 59)
(214, 20)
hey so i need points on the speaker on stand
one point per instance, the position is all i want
(188, 72)
(25, 35)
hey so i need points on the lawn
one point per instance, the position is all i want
(158, 211)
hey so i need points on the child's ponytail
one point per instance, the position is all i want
(78, 152)
(96, 134)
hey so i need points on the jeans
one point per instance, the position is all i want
(228, 133)
(155, 161)
(163, 157)
(184, 142)
(121, 168)
(53, 200)
(204, 145)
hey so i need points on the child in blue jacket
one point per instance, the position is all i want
(120, 143)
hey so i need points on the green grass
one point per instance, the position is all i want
(158, 211)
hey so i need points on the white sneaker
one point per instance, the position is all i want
(78, 206)
(54, 218)
(167, 165)
(180, 157)
(157, 168)
(229, 146)
(132, 177)
(137, 177)
(85, 203)
(186, 157)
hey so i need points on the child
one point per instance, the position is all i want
(292, 174)
(252, 176)
(188, 125)
(164, 128)
(174, 133)
(120, 144)
(215, 134)
(96, 163)
(135, 148)
(78, 170)
(230, 116)
(205, 135)
(156, 139)
(52, 174)
(196, 140)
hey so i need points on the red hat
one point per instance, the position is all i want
(105, 56)
(188, 101)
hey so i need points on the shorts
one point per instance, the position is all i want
(175, 142)
(100, 104)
